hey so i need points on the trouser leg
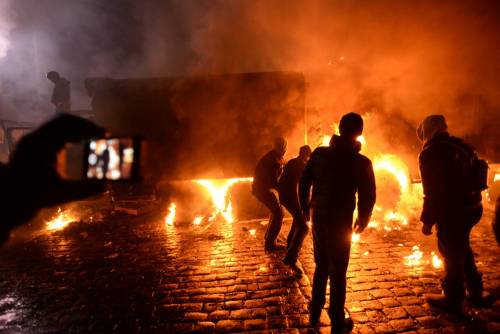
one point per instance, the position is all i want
(270, 200)
(292, 232)
(320, 279)
(452, 248)
(454, 245)
(473, 278)
(298, 231)
(338, 280)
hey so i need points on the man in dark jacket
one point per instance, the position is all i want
(454, 207)
(61, 95)
(288, 186)
(336, 174)
(265, 183)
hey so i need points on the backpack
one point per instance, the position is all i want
(474, 170)
(479, 175)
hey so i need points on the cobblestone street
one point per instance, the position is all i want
(135, 274)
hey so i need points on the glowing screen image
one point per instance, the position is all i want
(110, 159)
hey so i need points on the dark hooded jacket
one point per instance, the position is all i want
(267, 172)
(336, 173)
(289, 180)
(444, 163)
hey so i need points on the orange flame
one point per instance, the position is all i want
(436, 261)
(355, 238)
(414, 259)
(170, 218)
(197, 220)
(396, 167)
(496, 177)
(61, 220)
(218, 191)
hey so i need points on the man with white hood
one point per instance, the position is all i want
(452, 202)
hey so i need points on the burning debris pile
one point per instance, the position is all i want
(61, 220)
(218, 191)
(398, 204)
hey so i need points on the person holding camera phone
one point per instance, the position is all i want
(30, 180)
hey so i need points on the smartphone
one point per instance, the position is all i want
(107, 159)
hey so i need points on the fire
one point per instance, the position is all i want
(170, 218)
(61, 220)
(218, 191)
(496, 177)
(325, 141)
(396, 217)
(395, 166)
(414, 258)
(355, 237)
(197, 220)
(436, 261)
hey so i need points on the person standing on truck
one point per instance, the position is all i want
(61, 94)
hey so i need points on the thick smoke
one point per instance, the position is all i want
(402, 60)
(5, 27)
(76, 38)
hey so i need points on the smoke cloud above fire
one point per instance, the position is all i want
(5, 26)
(402, 60)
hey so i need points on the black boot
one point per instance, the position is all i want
(475, 289)
(343, 328)
(293, 265)
(446, 304)
(314, 315)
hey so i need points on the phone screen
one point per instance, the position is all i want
(111, 159)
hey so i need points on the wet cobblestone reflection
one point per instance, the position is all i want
(129, 274)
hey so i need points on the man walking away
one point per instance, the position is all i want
(288, 186)
(336, 174)
(452, 201)
(264, 186)
(61, 95)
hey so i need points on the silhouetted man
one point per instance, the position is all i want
(288, 186)
(265, 183)
(453, 204)
(336, 174)
(61, 95)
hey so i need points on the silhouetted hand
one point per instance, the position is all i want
(358, 227)
(427, 229)
(30, 180)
